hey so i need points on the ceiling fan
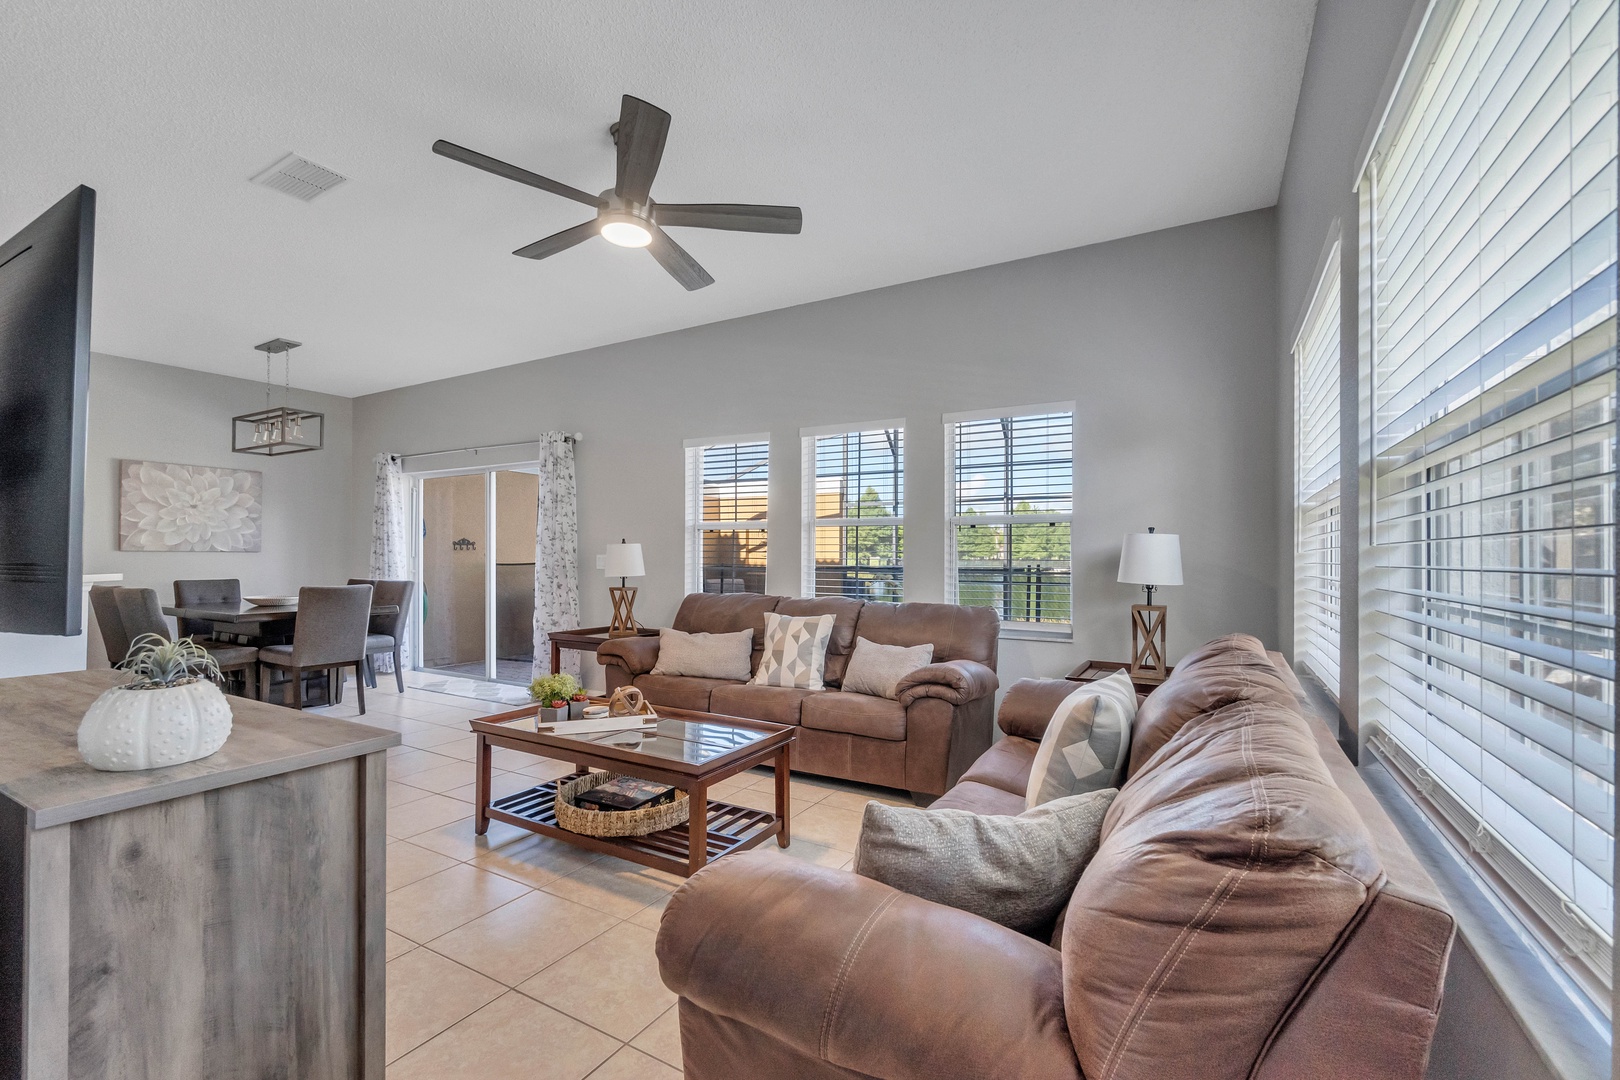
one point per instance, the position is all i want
(626, 214)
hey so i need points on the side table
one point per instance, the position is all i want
(1092, 670)
(588, 640)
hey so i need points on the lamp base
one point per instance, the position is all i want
(624, 619)
(1148, 643)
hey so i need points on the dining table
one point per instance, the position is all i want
(253, 624)
(259, 625)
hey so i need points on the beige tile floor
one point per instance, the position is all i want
(513, 954)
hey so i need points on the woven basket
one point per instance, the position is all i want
(586, 822)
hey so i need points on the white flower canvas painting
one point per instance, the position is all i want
(165, 507)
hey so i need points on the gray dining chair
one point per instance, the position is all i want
(140, 612)
(205, 592)
(387, 632)
(330, 635)
(104, 602)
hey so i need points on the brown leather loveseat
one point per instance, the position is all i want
(920, 743)
(1251, 913)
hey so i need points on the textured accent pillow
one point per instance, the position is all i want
(1017, 871)
(705, 656)
(877, 669)
(795, 650)
(1087, 745)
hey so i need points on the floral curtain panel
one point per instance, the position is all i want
(556, 552)
(391, 537)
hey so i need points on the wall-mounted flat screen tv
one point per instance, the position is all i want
(44, 385)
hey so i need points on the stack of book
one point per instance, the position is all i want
(626, 793)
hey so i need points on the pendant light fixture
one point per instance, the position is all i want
(278, 429)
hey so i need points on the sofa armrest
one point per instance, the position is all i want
(1029, 703)
(957, 681)
(849, 971)
(637, 655)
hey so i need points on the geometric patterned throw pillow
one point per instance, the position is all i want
(795, 651)
(1087, 744)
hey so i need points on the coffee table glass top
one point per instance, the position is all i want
(692, 741)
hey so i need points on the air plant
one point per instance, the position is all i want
(157, 663)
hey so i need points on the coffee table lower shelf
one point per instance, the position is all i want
(730, 828)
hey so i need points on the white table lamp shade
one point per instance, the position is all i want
(1151, 558)
(623, 561)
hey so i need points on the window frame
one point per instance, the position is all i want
(808, 438)
(697, 525)
(1318, 316)
(1009, 629)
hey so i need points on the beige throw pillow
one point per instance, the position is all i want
(877, 669)
(1088, 743)
(795, 651)
(1017, 871)
(705, 656)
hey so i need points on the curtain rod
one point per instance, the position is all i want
(574, 437)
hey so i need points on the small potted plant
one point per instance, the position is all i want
(170, 712)
(577, 703)
(553, 692)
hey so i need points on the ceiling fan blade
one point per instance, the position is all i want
(512, 172)
(559, 241)
(739, 217)
(641, 134)
(681, 266)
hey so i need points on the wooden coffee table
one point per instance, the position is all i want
(690, 750)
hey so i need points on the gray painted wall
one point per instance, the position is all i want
(1165, 341)
(153, 412)
(1355, 47)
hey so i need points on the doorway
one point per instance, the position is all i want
(476, 569)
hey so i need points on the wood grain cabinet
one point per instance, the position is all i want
(221, 918)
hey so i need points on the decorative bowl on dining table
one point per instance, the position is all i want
(271, 601)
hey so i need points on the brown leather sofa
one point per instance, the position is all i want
(1251, 913)
(920, 743)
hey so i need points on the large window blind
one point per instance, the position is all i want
(1491, 205)
(854, 513)
(1316, 493)
(727, 493)
(1011, 510)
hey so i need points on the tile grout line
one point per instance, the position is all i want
(513, 986)
(459, 1019)
(513, 990)
(509, 988)
(527, 889)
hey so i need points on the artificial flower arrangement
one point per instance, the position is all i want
(554, 692)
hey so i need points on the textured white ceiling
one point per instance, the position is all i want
(920, 137)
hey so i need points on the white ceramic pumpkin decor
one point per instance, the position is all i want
(171, 713)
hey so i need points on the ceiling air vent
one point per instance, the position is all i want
(301, 179)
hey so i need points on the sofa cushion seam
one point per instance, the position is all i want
(1261, 839)
(1115, 1047)
(830, 1014)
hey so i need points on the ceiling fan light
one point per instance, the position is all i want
(626, 233)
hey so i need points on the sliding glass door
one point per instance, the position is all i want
(476, 569)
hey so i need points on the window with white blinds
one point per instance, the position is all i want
(1316, 493)
(1490, 204)
(854, 512)
(727, 495)
(1011, 506)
